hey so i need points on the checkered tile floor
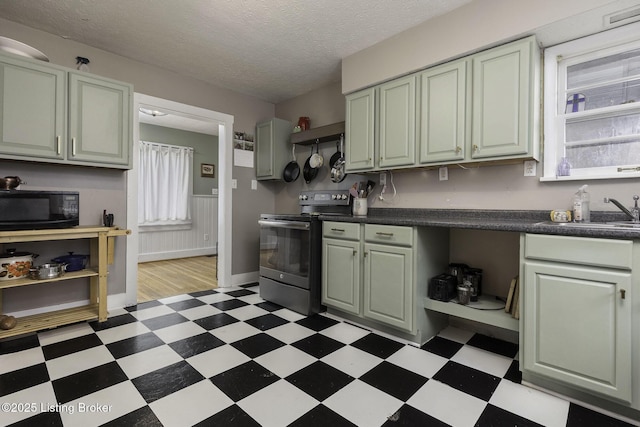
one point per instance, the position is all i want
(228, 358)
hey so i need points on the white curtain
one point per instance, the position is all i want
(165, 184)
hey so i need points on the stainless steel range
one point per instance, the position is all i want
(291, 250)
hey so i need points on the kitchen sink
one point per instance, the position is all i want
(613, 224)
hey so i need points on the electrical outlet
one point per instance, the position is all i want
(443, 173)
(383, 178)
(214, 191)
(234, 183)
(530, 168)
(206, 237)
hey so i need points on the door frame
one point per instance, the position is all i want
(225, 160)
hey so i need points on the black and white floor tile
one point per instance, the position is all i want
(228, 358)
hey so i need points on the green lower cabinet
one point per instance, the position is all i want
(577, 326)
(388, 285)
(341, 274)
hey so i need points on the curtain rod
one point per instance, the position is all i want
(159, 144)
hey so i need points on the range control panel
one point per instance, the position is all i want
(325, 198)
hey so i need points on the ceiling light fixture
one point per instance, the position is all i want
(154, 113)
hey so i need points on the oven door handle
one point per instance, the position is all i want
(284, 224)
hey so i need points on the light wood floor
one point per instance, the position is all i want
(161, 279)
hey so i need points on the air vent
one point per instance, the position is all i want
(622, 17)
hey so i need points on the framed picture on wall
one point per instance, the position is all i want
(207, 170)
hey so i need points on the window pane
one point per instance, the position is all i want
(620, 153)
(606, 127)
(603, 96)
(604, 70)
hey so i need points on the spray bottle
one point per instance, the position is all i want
(581, 211)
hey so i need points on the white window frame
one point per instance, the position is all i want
(580, 50)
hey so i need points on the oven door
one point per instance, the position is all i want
(285, 251)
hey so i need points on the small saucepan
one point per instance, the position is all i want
(10, 182)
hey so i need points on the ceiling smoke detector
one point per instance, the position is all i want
(154, 113)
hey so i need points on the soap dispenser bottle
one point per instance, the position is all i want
(581, 211)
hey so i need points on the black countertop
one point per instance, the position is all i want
(536, 222)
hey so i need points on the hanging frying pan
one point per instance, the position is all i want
(291, 171)
(337, 169)
(308, 172)
(336, 156)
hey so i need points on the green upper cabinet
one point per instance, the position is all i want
(99, 120)
(360, 130)
(272, 148)
(443, 124)
(484, 107)
(504, 82)
(32, 110)
(53, 115)
(397, 115)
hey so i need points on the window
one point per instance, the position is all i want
(592, 107)
(165, 182)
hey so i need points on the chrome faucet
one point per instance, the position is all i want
(633, 213)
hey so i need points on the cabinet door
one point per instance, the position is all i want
(264, 149)
(360, 130)
(501, 97)
(99, 121)
(397, 135)
(341, 274)
(577, 326)
(388, 285)
(443, 113)
(32, 119)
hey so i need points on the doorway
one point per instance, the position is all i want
(224, 123)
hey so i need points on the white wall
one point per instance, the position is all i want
(161, 245)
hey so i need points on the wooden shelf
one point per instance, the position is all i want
(321, 134)
(87, 272)
(101, 254)
(52, 319)
(487, 310)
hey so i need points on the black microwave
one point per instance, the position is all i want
(30, 210)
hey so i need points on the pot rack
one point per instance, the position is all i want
(328, 133)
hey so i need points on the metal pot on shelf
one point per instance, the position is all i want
(47, 271)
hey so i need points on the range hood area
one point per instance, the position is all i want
(320, 134)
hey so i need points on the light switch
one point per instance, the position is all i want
(254, 184)
(234, 183)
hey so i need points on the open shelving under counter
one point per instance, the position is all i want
(486, 310)
(101, 254)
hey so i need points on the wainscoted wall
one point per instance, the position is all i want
(199, 240)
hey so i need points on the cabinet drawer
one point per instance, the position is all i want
(389, 234)
(580, 250)
(341, 230)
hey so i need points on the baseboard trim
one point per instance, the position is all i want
(244, 278)
(187, 253)
(113, 302)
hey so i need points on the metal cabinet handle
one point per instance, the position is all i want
(380, 233)
(338, 230)
(73, 147)
(458, 149)
(366, 253)
(58, 145)
(475, 148)
(355, 252)
(623, 293)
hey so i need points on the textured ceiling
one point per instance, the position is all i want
(271, 49)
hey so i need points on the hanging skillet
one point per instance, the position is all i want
(291, 171)
(337, 169)
(308, 172)
(336, 156)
